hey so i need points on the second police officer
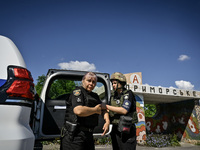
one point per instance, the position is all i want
(123, 116)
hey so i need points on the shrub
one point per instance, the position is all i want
(160, 140)
(103, 140)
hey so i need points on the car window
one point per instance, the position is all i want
(61, 88)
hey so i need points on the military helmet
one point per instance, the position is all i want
(118, 76)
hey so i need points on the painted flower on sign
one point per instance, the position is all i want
(158, 128)
(141, 136)
(141, 133)
(192, 126)
(141, 117)
(173, 119)
(165, 125)
(181, 120)
(149, 125)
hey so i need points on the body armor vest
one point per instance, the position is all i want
(114, 117)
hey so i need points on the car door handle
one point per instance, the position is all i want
(59, 107)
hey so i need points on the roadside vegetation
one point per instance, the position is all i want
(160, 140)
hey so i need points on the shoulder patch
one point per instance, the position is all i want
(77, 92)
(126, 96)
(127, 105)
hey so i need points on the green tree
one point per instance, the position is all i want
(58, 87)
(40, 83)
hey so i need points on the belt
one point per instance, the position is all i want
(85, 129)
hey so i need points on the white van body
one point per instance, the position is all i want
(15, 132)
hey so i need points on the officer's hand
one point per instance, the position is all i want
(105, 128)
(98, 109)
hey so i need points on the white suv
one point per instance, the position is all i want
(47, 116)
(16, 98)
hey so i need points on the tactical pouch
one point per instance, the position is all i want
(125, 124)
(70, 129)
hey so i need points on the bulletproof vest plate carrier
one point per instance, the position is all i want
(114, 117)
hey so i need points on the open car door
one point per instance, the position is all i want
(52, 104)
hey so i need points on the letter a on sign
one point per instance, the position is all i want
(135, 79)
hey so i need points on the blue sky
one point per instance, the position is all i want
(160, 38)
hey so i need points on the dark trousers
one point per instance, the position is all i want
(123, 141)
(81, 141)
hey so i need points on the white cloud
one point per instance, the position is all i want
(183, 57)
(77, 65)
(171, 87)
(184, 85)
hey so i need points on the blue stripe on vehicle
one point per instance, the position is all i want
(2, 81)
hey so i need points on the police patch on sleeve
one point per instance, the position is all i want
(126, 105)
(77, 92)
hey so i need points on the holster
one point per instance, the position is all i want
(69, 129)
(125, 124)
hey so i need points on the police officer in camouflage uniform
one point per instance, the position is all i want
(122, 104)
(83, 110)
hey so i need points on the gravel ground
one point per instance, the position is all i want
(51, 147)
